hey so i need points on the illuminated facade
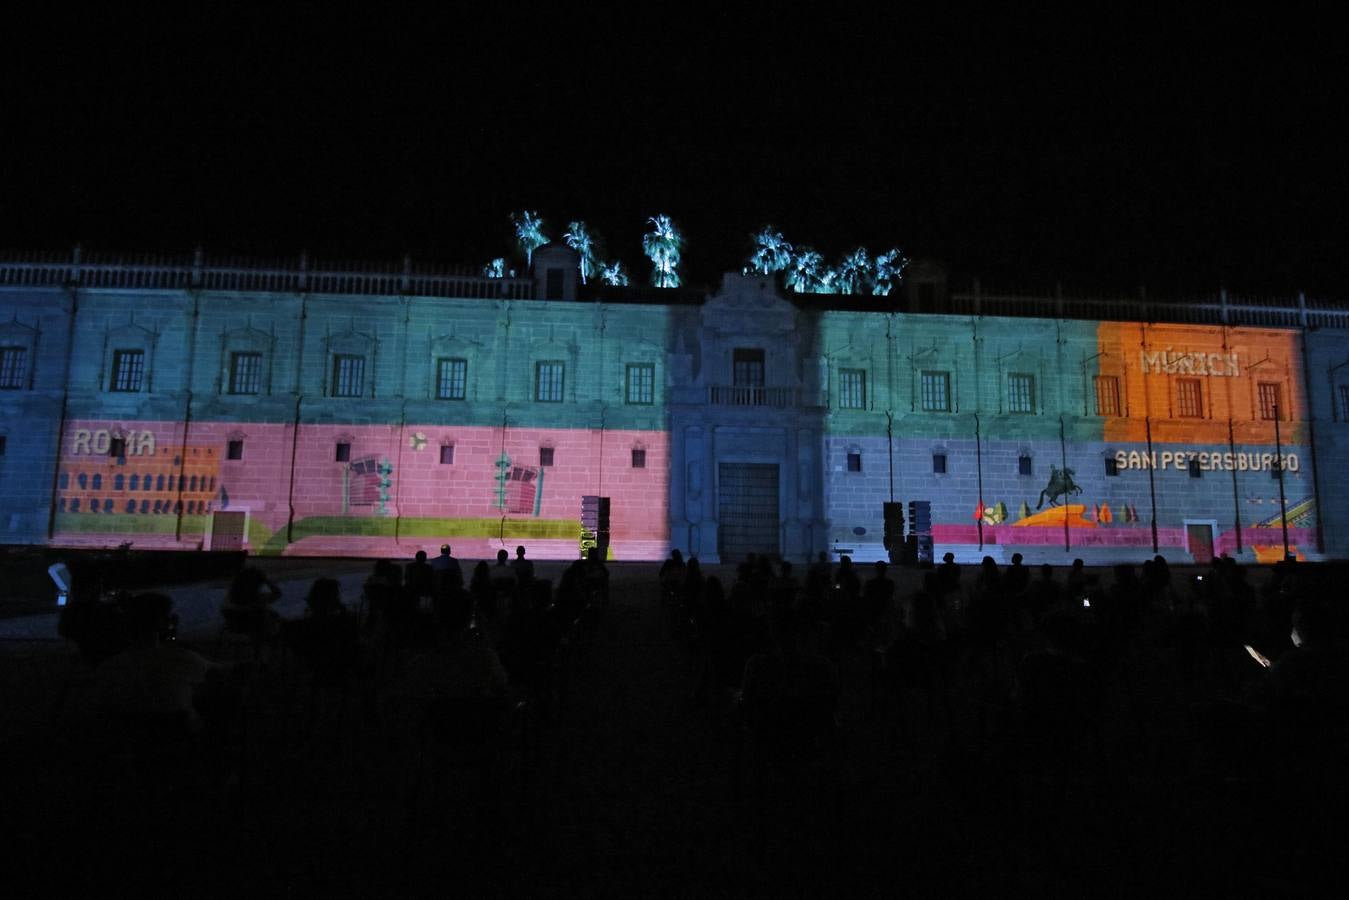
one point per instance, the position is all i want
(303, 411)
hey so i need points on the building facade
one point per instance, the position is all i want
(290, 409)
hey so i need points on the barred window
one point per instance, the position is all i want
(348, 375)
(852, 388)
(245, 373)
(451, 379)
(548, 379)
(128, 370)
(936, 391)
(1190, 398)
(1020, 393)
(13, 367)
(1107, 395)
(641, 384)
(1271, 405)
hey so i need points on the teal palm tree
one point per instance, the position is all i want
(579, 238)
(803, 272)
(771, 253)
(662, 245)
(528, 233)
(495, 269)
(888, 271)
(854, 273)
(613, 274)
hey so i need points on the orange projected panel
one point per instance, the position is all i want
(1192, 379)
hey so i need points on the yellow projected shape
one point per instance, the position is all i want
(1057, 515)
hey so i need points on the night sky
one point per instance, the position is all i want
(1181, 152)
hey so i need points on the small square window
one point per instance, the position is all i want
(545, 456)
(939, 463)
(854, 462)
(1024, 466)
(1193, 467)
(638, 458)
(117, 448)
(3, 440)
(343, 452)
(1111, 466)
(447, 454)
(233, 450)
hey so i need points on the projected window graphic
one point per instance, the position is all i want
(852, 388)
(447, 454)
(1020, 393)
(545, 456)
(343, 453)
(1271, 403)
(638, 458)
(245, 373)
(548, 380)
(1024, 465)
(854, 462)
(348, 375)
(13, 367)
(1189, 398)
(1107, 395)
(233, 450)
(936, 391)
(128, 370)
(451, 379)
(939, 463)
(641, 384)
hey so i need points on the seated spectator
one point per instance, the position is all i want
(324, 599)
(247, 607)
(458, 669)
(150, 677)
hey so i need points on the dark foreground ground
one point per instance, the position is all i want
(626, 788)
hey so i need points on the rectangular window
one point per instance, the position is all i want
(1020, 393)
(939, 463)
(343, 453)
(1107, 395)
(128, 370)
(1271, 403)
(641, 384)
(3, 441)
(1193, 467)
(852, 388)
(13, 367)
(1189, 398)
(854, 462)
(245, 373)
(545, 456)
(233, 450)
(747, 367)
(1111, 466)
(548, 380)
(1344, 403)
(348, 375)
(451, 379)
(638, 458)
(552, 286)
(117, 448)
(447, 454)
(1024, 465)
(936, 391)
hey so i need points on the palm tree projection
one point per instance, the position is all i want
(854, 272)
(495, 269)
(662, 245)
(803, 273)
(579, 238)
(771, 253)
(528, 233)
(888, 271)
(613, 275)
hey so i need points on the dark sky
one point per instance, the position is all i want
(1181, 152)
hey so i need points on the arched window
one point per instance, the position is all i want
(117, 482)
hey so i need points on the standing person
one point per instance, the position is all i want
(420, 578)
(448, 573)
(524, 568)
